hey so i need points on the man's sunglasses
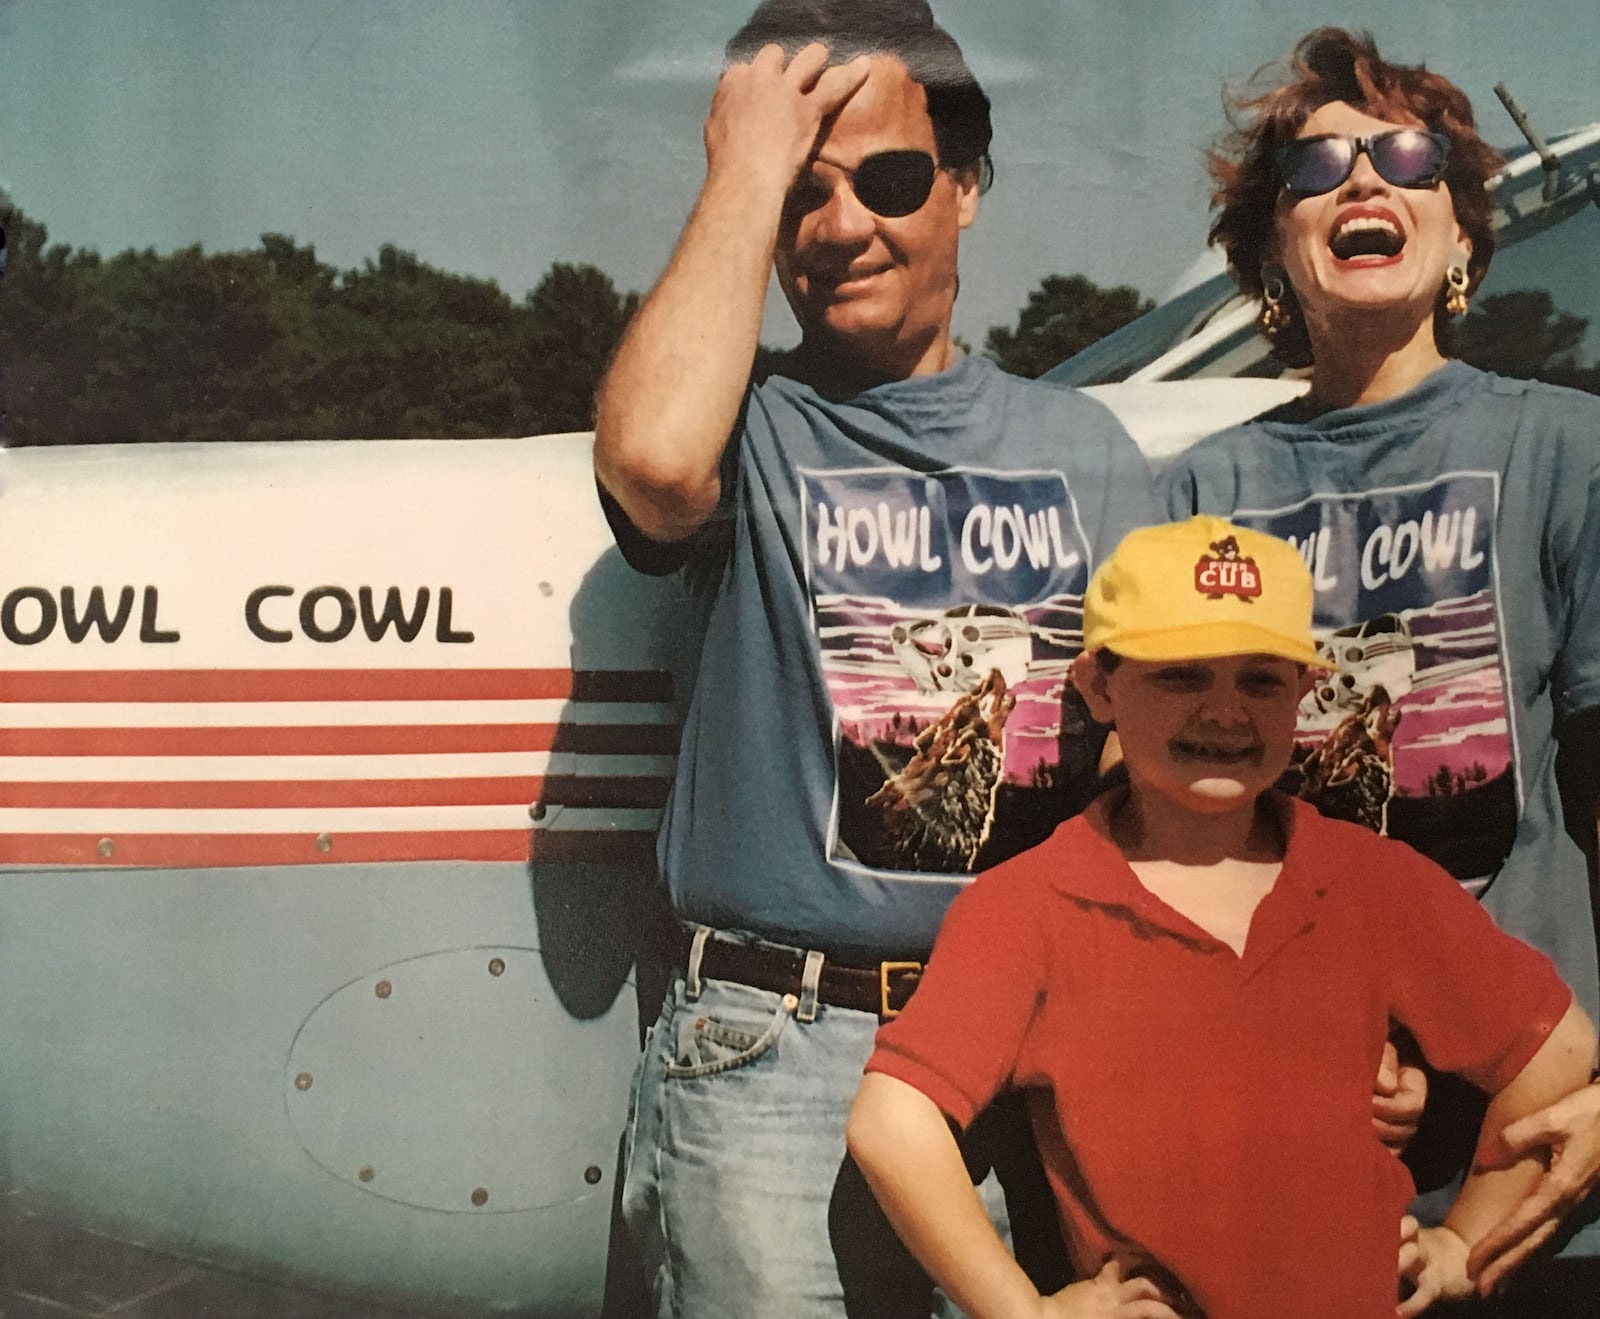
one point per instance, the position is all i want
(887, 183)
(1405, 157)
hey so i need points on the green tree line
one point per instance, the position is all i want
(272, 343)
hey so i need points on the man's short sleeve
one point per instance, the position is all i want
(959, 1038)
(657, 558)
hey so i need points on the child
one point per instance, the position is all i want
(1194, 939)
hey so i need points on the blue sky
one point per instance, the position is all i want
(494, 137)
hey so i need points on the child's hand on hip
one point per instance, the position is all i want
(1108, 1296)
(1434, 1260)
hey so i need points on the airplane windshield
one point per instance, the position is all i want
(1135, 345)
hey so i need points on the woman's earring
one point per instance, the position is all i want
(1455, 279)
(1277, 311)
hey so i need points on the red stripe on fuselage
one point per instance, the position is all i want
(349, 740)
(191, 851)
(556, 790)
(201, 685)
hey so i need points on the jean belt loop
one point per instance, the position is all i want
(697, 950)
(809, 980)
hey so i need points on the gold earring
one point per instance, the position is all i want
(1277, 312)
(1455, 279)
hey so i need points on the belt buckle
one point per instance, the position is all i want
(884, 971)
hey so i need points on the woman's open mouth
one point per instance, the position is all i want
(1368, 236)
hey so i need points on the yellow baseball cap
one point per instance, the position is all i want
(1201, 589)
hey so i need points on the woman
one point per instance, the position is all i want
(1452, 520)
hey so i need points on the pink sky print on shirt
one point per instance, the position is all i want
(870, 686)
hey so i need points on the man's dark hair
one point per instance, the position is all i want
(902, 28)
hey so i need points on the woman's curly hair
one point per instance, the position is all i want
(1329, 65)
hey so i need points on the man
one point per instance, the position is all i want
(896, 539)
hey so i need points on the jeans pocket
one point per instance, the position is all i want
(721, 1041)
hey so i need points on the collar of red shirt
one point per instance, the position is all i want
(1103, 878)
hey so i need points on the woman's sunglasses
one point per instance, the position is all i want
(1405, 157)
(887, 183)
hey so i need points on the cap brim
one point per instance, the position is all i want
(1213, 641)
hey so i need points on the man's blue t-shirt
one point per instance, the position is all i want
(1454, 539)
(882, 706)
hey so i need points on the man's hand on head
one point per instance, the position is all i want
(672, 395)
(766, 115)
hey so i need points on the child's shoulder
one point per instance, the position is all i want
(1350, 849)
(1034, 873)
(1077, 861)
(1011, 909)
(1039, 865)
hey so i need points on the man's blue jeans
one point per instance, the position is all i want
(738, 1192)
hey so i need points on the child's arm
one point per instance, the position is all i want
(1497, 1181)
(903, 1146)
(899, 1139)
(1567, 1136)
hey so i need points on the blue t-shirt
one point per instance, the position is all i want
(1454, 538)
(882, 706)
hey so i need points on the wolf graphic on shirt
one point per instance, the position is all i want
(948, 610)
(1349, 774)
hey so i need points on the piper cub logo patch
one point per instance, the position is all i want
(1227, 572)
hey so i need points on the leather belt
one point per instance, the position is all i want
(883, 989)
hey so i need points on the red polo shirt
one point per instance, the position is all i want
(1210, 1111)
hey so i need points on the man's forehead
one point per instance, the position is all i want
(890, 110)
